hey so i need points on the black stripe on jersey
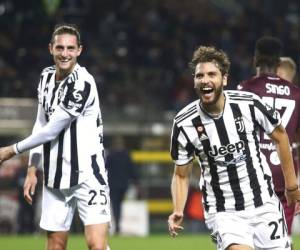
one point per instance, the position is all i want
(47, 82)
(74, 155)
(220, 199)
(204, 194)
(174, 142)
(58, 172)
(85, 95)
(268, 113)
(189, 147)
(96, 170)
(50, 68)
(46, 89)
(186, 114)
(231, 168)
(98, 121)
(240, 96)
(254, 184)
(46, 154)
(39, 94)
(92, 103)
(53, 93)
(75, 96)
(266, 177)
(41, 80)
(73, 76)
(76, 74)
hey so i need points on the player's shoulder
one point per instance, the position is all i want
(253, 83)
(47, 70)
(82, 74)
(247, 83)
(294, 87)
(241, 95)
(187, 111)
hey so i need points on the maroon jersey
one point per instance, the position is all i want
(284, 97)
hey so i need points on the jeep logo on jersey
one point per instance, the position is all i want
(228, 149)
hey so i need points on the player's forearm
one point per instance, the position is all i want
(287, 165)
(179, 189)
(59, 120)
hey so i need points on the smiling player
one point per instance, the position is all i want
(221, 129)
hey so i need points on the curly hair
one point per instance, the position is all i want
(210, 54)
(267, 52)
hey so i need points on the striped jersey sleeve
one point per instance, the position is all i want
(76, 96)
(266, 116)
(182, 149)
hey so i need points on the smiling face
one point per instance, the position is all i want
(208, 83)
(65, 50)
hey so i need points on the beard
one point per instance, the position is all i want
(216, 93)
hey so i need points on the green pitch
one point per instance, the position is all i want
(157, 242)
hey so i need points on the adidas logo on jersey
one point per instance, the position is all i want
(103, 212)
(203, 137)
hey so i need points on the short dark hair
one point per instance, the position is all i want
(268, 50)
(65, 28)
(210, 54)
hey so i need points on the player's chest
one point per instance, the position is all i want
(52, 95)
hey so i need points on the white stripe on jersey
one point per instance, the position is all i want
(77, 152)
(235, 174)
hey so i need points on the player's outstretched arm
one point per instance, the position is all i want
(6, 153)
(280, 138)
(179, 189)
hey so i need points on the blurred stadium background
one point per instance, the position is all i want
(138, 51)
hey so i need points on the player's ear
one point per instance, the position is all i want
(79, 50)
(225, 78)
(50, 48)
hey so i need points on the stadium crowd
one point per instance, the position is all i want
(138, 50)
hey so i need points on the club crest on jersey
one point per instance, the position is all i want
(201, 133)
(227, 149)
(239, 124)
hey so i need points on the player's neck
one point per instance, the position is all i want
(216, 110)
(265, 70)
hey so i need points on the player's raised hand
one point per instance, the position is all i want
(174, 222)
(292, 195)
(30, 184)
(6, 153)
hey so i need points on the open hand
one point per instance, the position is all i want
(30, 184)
(174, 222)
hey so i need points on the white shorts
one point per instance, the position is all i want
(260, 228)
(58, 206)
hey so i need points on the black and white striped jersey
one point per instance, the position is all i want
(235, 174)
(77, 152)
